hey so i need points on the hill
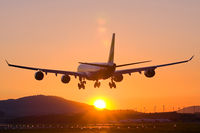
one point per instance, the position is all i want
(190, 110)
(40, 105)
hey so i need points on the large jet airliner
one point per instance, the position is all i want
(98, 71)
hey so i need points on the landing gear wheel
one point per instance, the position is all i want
(112, 85)
(79, 86)
(83, 86)
(97, 84)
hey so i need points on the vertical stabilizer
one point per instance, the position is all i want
(111, 54)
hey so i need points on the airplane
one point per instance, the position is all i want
(99, 71)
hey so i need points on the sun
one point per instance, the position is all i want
(100, 104)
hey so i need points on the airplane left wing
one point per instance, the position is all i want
(49, 70)
(129, 71)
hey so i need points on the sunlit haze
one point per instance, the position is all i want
(59, 34)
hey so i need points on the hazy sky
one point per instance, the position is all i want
(58, 34)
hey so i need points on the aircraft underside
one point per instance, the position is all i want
(96, 76)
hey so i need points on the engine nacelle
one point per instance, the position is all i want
(118, 78)
(150, 73)
(65, 79)
(39, 75)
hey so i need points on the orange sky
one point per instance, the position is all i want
(59, 34)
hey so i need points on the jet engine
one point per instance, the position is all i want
(65, 79)
(118, 78)
(149, 73)
(39, 75)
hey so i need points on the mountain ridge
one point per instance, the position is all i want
(190, 110)
(41, 105)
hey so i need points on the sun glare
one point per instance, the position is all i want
(100, 104)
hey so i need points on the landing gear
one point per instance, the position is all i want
(81, 86)
(112, 84)
(97, 84)
(82, 83)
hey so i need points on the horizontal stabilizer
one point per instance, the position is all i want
(133, 63)
(93, 64)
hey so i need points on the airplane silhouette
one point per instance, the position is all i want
(98, 71)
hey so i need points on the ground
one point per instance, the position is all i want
(118, 128)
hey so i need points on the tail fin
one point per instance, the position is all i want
(111, 54)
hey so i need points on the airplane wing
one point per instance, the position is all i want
(129, 71)
(49, 70)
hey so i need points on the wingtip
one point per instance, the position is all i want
(6, 61)
(191, 58)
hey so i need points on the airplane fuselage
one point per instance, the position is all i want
(96, 72)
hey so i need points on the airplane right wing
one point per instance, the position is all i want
(129, 71)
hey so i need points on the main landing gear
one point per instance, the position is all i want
(112, 84)
(82, 83)
(97, 84)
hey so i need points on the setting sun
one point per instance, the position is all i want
(100, 104)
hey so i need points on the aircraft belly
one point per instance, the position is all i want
(95, 73)
(98, 75)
